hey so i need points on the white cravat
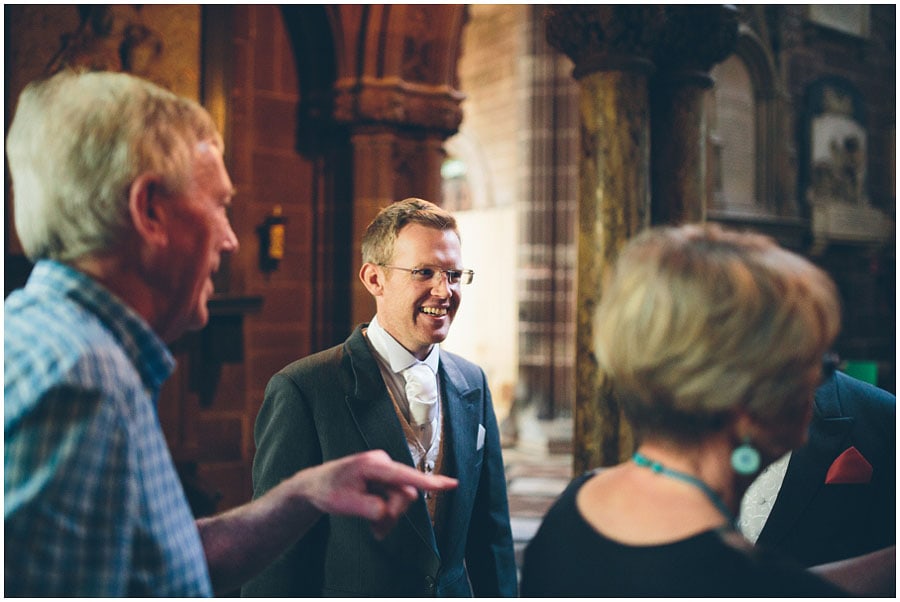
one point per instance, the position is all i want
(422, 394)
(760, 497)
(393, 359)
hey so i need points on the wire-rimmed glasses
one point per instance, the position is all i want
(428, 273)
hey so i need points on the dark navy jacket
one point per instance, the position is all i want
(817, 522)
(335, 403)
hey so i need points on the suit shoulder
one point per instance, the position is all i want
(461, 363)
(858, 395)
(313, 363)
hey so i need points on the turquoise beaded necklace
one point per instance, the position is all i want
(713, 497)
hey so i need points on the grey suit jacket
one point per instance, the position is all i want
(335, 403)
(817, 522)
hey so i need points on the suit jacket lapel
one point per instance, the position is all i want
(372, 410)
(369, 402)
(461, 420)
(808, 465)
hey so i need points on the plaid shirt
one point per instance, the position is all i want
(92, 506)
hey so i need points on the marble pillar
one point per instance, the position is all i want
(611, 49)
(679, 185)
(642, 72)
(693, 40)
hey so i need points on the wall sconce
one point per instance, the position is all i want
(271, 240)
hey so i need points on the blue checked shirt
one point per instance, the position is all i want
(92, 506)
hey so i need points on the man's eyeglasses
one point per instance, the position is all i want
(430, 273)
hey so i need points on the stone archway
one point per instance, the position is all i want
(396, 93)
(377, 99)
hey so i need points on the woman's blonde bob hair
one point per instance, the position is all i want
(699, 322)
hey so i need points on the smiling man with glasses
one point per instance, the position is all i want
(389, 386)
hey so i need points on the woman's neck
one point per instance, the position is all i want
(709, 462)
(639, 502)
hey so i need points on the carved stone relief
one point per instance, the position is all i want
(837, 164)
(838, 151)
(419, 46)
(157, 42)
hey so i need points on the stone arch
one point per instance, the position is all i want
(311, 35)
(394, 96)
(396, 64)
(381, 80)
(757, 59)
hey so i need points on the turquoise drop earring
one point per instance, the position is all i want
(745, 459)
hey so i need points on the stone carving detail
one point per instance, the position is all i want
(400, 103)
(680, 38)
(419, 46)
(603, 37)
(409, 84)
(838, 159)
(838, 151)
(696, 37)
(102, 42)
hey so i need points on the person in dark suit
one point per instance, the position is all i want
(356, 397)
(837, 496)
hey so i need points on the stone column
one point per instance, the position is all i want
(611, 47)
(693, 40)
(373, 187)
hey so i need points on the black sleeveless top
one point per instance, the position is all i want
(568, 557)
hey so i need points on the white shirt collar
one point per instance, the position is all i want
(395, 354)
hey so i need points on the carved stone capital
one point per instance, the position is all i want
(605, 37)
(694, 39)
(392, 101)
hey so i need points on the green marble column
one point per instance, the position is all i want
(624, 56)
(614, 205)
(609, 46)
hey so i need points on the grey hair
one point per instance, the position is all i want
(78, 141)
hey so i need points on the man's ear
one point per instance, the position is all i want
(148, 211)
(371, 277)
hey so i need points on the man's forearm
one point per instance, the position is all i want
(243, 541)
(872, 574)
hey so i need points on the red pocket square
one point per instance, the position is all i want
(849, 467)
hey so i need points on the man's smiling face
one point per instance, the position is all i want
(418, 314)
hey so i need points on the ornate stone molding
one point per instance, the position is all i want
(396, 67)
(605, 37)
(392, 101)
(694, 39)
(685, 41)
